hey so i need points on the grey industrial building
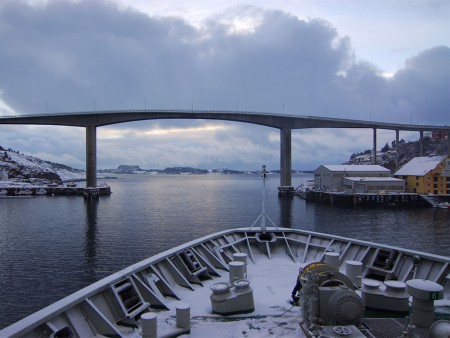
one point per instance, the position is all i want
(356, 179)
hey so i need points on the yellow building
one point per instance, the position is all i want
(426, 175)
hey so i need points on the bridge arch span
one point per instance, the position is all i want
(285, 123)
(108, 117)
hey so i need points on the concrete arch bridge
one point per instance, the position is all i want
(285, 123)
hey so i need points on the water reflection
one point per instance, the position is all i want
(91, 232)
(285, 204)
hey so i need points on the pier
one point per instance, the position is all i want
(33, 191)
(396, 200)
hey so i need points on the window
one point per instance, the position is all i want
(394, 187)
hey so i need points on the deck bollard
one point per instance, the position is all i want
(237, 271)
(424, 293)
(183, 314)
(149, 325)
(353, 270)
(241, 257)
(332, 259)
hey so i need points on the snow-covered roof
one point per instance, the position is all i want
(373, 179)
(420, 166)
(355, 168)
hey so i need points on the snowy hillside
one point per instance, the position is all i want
(24, 168)
(407, 151)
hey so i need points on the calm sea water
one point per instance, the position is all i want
(53, 246)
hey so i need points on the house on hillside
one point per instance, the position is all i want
(3, 174)
(363, 159)
(339, 178)
(426, 175)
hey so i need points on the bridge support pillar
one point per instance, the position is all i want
(91, 156)
(285, 187)
(374, 158)
(421, 144)
(448, 143)
(397, 149)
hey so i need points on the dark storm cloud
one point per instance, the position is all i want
(79, 55)
(422, 87)
(86, 55)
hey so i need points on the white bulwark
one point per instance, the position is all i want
(355, 178)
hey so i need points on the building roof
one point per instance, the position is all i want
(374, 179)
(355, 167)
(420, 166)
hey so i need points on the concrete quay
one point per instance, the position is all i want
(397, 200)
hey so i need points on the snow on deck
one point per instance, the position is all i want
(273, 315)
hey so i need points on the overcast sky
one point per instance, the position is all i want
(370, 60)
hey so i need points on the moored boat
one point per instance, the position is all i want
(303, 189)
(41, 191)
(24, 192)
(436, 202)
(443, 205)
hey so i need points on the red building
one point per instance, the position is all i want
(439, 135)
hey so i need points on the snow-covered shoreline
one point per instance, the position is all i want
(20, 169)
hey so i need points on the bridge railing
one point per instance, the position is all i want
(351, 123)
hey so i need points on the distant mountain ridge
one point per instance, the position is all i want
(24, 168)
(17, 167)
(134, 169)
(128, 169)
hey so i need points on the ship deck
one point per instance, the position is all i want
(274, 316)
(182, 278)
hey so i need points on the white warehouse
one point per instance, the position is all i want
(356, 179)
